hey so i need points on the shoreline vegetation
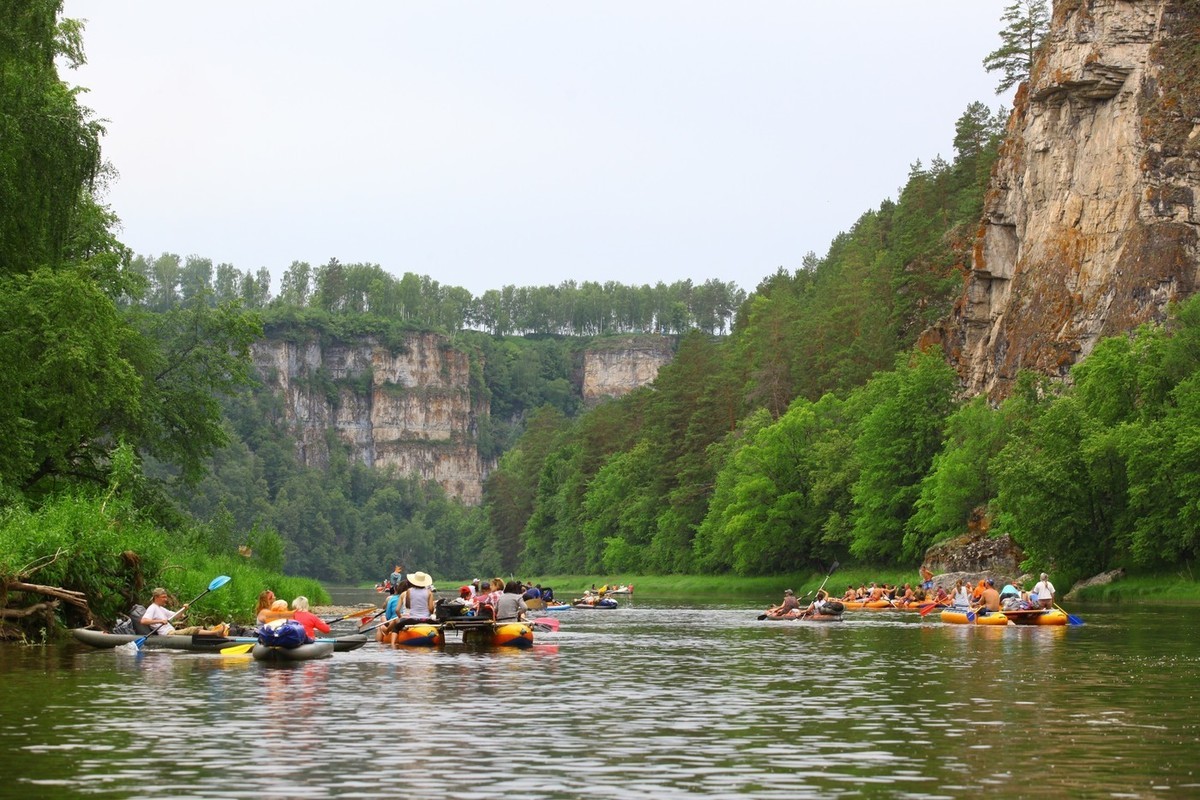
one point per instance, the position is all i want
(101, 549)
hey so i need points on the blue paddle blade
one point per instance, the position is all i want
(219, 581)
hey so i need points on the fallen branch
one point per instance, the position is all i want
(77, 599)
(20, 613)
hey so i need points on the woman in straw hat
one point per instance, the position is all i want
(417, 600)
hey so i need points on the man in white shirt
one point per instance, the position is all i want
(158, 617)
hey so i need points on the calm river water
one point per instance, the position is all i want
(656, 699)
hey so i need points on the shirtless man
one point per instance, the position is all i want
(789, 604)
(990, 597)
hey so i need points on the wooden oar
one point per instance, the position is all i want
(215, 583)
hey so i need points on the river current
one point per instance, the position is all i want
(656, 699)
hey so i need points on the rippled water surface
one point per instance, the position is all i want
(655, 699)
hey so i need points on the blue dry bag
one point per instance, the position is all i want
(289, 634)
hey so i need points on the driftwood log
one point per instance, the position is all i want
(45, 608)
(77, 599)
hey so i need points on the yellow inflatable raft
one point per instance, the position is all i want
(958, 616)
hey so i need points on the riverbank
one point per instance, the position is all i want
(1179, 586)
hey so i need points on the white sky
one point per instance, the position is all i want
(526, 143)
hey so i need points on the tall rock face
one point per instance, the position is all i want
(1090, 223)
(615, 367)
(409, 407)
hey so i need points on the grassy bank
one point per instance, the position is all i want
(1163, 587)
(114, 558)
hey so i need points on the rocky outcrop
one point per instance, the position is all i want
(976, 553)
(615, 367)
(1103, 579)
(409, 408)
(1090, 222)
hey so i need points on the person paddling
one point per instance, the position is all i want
(788, 605)
(311, 622)
(158, 618)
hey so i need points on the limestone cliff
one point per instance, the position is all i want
(615, 367)
(1090, 223)
(409, 408)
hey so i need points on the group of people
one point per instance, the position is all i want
(499, 600)
(982, 595)
(1009, 598)
(896, 595)
(267, 611)
(790, 607)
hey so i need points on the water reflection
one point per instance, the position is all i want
(651, 701)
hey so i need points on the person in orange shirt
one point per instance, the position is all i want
(979, 590)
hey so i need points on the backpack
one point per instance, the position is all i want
(135, 620)
(124, 626)
(289, 634)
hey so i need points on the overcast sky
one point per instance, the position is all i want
(523, 143)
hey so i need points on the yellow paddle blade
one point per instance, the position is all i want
(237, 650)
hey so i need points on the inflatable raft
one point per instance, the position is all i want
(603, 602)
(805, 618)
(1038, 616)
(424, 635)
(866, 605)
(303, 652)
(485, 633)
(196, 644)
(960, 616)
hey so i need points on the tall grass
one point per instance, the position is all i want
(102, 549)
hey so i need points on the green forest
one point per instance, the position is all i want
(798, 423)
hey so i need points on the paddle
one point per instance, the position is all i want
(237, 650)
(544, 624)
(216, 583)
(354, 614)
(1071, 618)
(925, 609)
(367, 620)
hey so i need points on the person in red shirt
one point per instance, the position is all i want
(310, 621)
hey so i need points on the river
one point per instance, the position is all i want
(657, 699)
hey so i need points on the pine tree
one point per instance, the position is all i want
(1028, 21)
